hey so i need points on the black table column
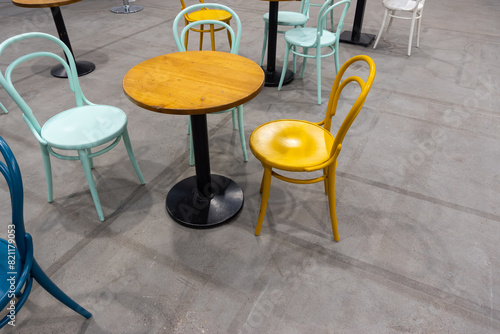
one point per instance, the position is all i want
(82, 67)
(355, 36)
(205, 200)
(273, 73)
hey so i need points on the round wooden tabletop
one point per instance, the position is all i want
(193, 82)
(42, 3)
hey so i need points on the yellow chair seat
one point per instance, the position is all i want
(291, 145)
(209, 14)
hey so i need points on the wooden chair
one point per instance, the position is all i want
(303, 146)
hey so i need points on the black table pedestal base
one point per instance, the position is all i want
(273, 78)
(190, 208)
(363, 40)
(126, 9)
(82, 67)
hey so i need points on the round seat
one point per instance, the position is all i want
(209, 14)
(84, 127)
(291, 145)
(305, 37)
(286, 18)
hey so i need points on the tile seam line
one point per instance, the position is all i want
(435, 293)
(413, 194)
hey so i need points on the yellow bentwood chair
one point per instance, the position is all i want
(202, 15)
(302, 146)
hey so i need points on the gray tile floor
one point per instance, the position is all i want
(418, 188)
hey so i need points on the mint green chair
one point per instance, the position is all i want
(316, 38)
(80, 129)
(237, 113)
(286, 18)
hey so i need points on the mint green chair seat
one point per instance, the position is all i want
(82, 128)
(316, 38)
(236, 113)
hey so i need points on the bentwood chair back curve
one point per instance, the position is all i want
(82, 128)
(316, 38)
(206, 14)
(286, 18)
(413, 8)
(18, 267)
(320, 4)
(237, 113)
(302, 146)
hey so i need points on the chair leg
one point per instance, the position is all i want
(325, 173)
(233, 118)
(54, 290)
(418, 28)
(91, 160)
(241, 129)
(336, 57)
(294, 56)
(318, 72)
(229, 37)
(264, 44)
(393, 12)
(285, 63)
(266, 188)
(412, 28)
(131, 156)
(304, 62)
(212, 36)
(48, 172)
(201, 36)
(90, 180)
(331, 201)
(186, 36)
(381, 30)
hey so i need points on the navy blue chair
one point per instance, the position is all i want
(18, 267)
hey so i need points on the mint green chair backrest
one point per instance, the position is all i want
(235, 36)
(327, 8)
(6, 76)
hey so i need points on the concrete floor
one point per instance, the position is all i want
(418, 188)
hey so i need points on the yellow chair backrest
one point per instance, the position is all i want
(337, 88)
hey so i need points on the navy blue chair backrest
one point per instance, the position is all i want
(12, 173)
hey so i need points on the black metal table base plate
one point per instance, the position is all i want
(273, 78)
(189, 208)
(364, 39)
(82, 67)
(126, 9)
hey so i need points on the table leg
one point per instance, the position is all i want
(205, 200)
(355, 36)
(82, 67)
(273, 73)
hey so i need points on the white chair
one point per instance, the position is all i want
(415, 7)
